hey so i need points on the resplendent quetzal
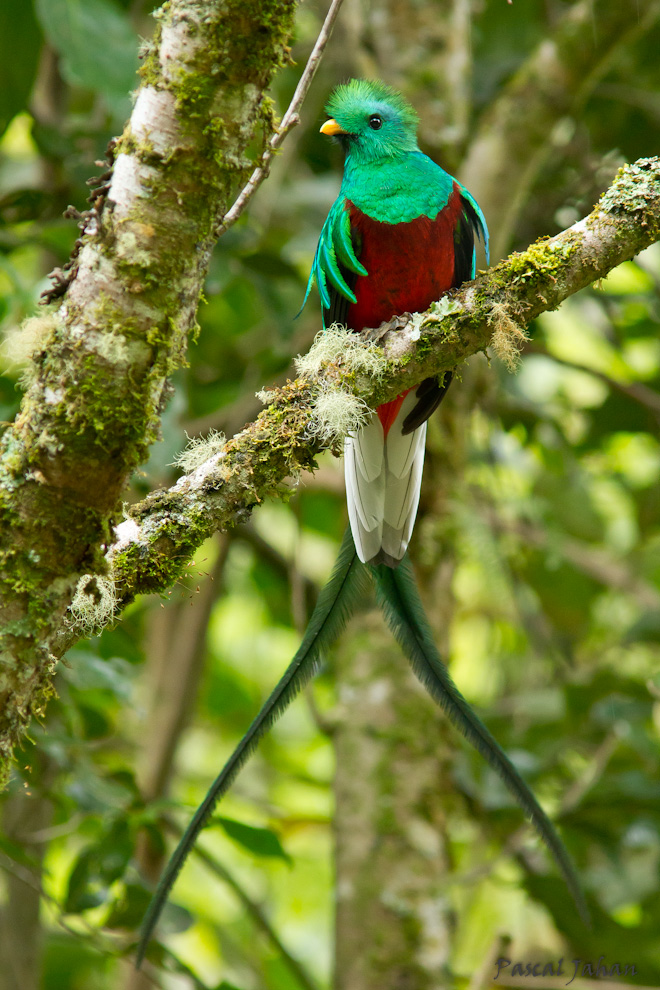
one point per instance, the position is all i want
(400, 234)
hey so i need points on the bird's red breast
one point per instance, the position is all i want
(409, 264)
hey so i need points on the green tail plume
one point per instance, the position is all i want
(399, 599)
(335, 605)
(397, 595)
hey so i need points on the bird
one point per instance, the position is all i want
(400, 234)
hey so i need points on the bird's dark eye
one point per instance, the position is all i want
(375, 122)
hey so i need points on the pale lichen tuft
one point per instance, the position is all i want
(445, 307)
(199, 450)
(25, 340)
(22, 343)
(265, 395)
(336, 413)
(508, 336)
(94, 603)
(340, 346)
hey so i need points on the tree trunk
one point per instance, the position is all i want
(25, 817)
(392, 795)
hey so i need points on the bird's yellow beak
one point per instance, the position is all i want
(332, 127)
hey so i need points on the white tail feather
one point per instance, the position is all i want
(383, 479)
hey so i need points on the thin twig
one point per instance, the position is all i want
(592, 773)
(103, 942)
(289, 121)
(178, 966)
(483, 976)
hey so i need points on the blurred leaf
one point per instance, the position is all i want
(86, 670)
(265, 263)
(260, 841)
(99, 791)
(16, 852)
(95, 722)
(52, 141)
(129, 911)
(227, 696)
(645, 630)
(20, 46)
(79, 895)
(571, 504)
(97, 45)
(278, 975)
(71, 963)
(123, 640)
(23, 204)
(97, 868)
(565, 592)
(623, 944)
(617, 707)
(175, 919)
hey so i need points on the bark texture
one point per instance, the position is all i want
(99, 378)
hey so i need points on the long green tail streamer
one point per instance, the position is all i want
(399, 599)
(336, 603)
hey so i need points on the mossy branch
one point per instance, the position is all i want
(128, 302)
(493, 310)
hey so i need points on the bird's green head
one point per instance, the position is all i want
(372, 121)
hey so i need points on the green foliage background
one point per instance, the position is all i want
(539, 535)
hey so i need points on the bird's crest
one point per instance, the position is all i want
(357, 93)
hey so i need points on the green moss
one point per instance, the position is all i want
(269, 121)
(172, 543)
(544, 258)
(150, 72)
(194, 92)
(129, 144)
